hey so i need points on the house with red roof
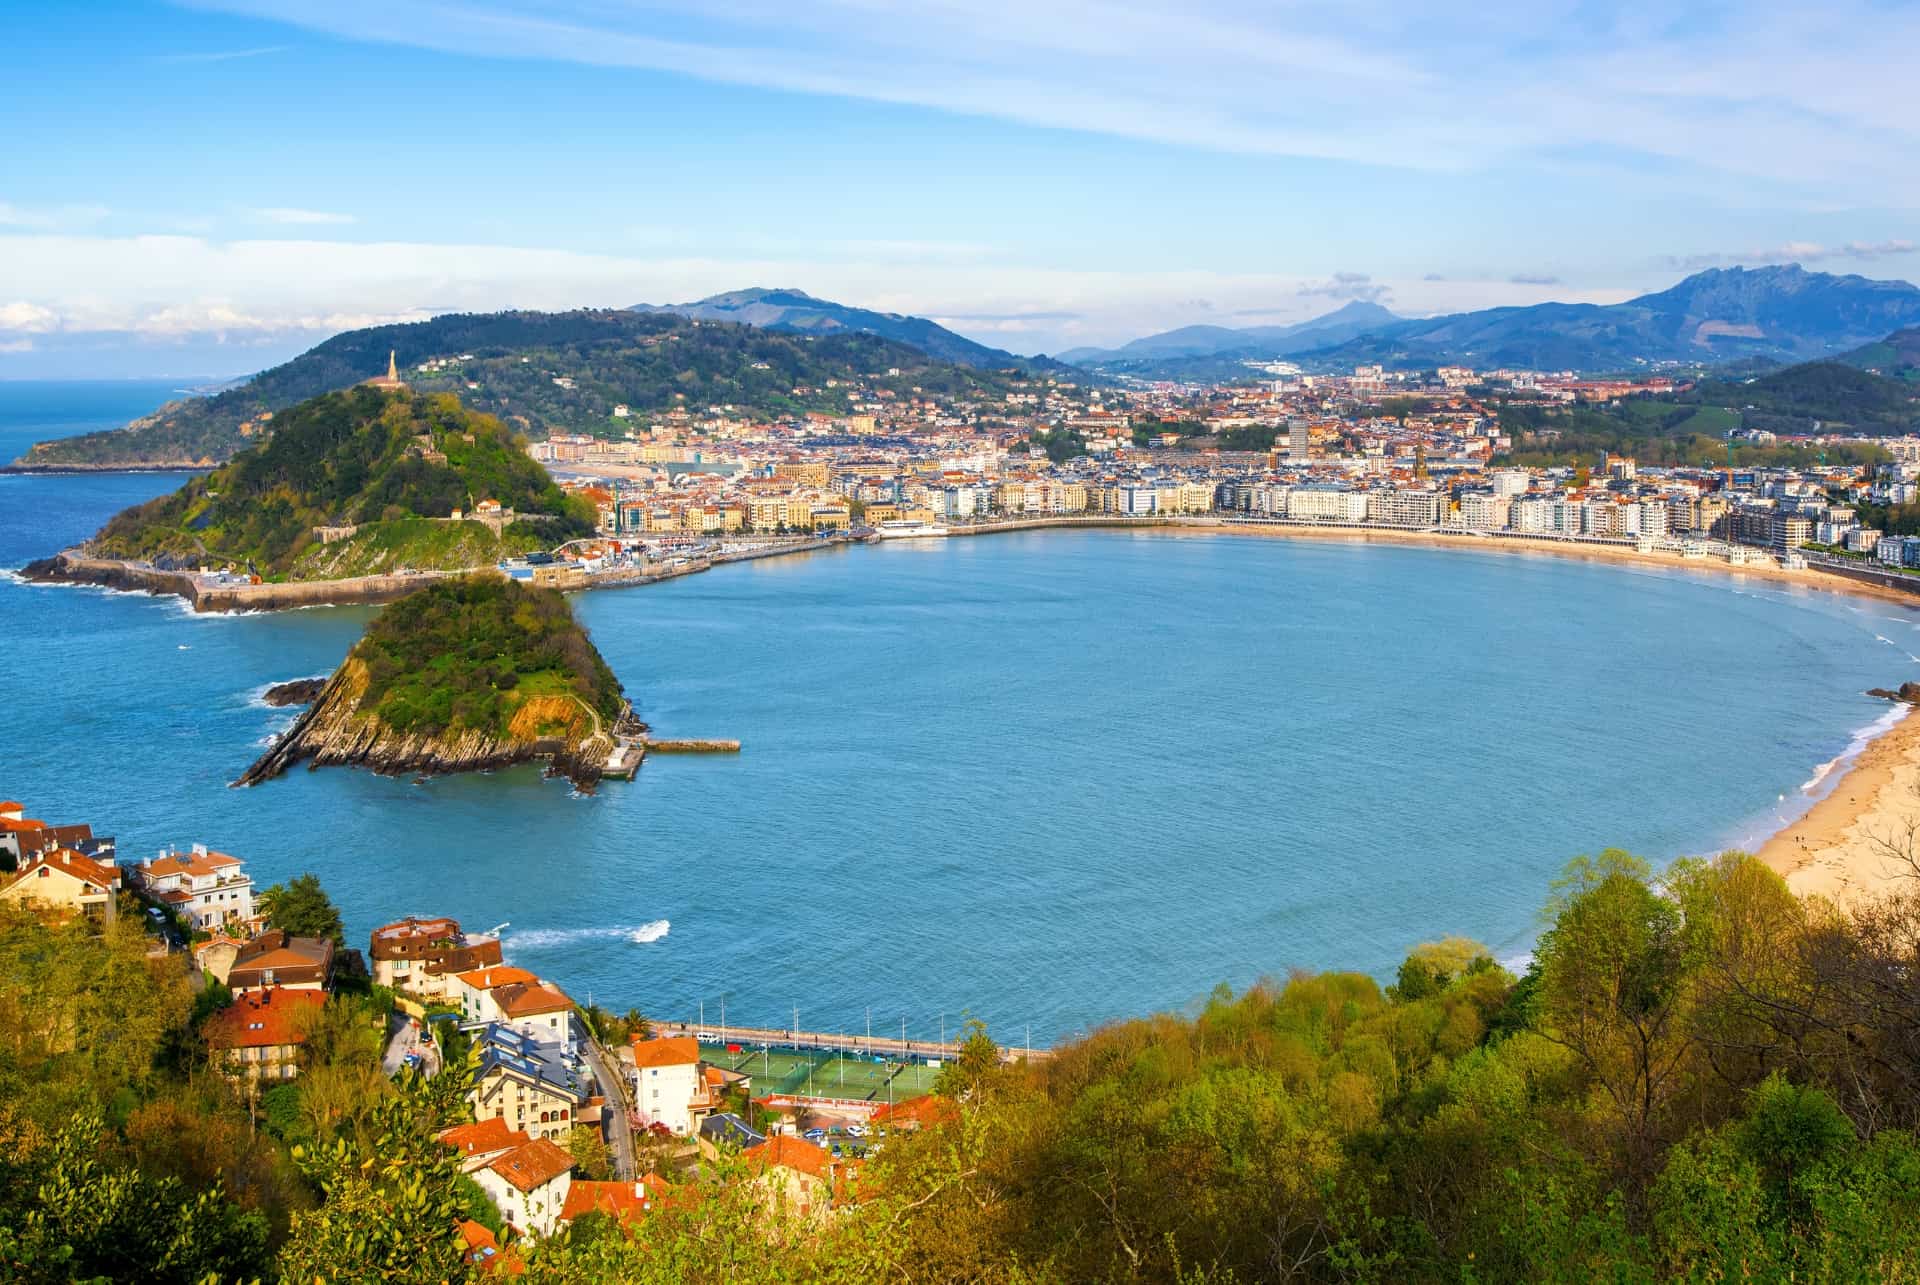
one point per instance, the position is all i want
(423, 956)
(208, 889)
(62, 884)
(482, 1251)
(482, 1142)
(258, 1037)
(621, 1201)
(274, 959)
(668, 1086)
(925, 1111)
(528, 1185)
(792, 1173)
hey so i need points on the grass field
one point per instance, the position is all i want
(832, 1076)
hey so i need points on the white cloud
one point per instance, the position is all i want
(168, 289)
(22, 317)
(300, 218)
(50, 218)
(1821, 100)
(1802, 252)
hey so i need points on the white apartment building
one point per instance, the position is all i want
(1327, 504)
(1404, 508)
(208, 889)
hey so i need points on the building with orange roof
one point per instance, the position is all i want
(23, 837)
(470, 990)
(483, 1252)
(538, 1008)
(793, 1173)
(925, 1111)
(208, 889)
(275, 959)
(623, 1201)
(63, 884)
(668, 1087)
(528, 1185)
(482, 1141)
(259, 1036)
(421, 956)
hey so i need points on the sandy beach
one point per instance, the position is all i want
(1849, 844)
(1818, 581)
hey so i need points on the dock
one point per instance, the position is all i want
(624, 762)
(692, 746)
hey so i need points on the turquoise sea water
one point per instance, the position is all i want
(1049, 778)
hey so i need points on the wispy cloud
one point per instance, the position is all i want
(1802, 252)
(172, 289)
(1820, 101)
(1533, 279)
(220, 55)
(1348, 285)
(300, 218)
(50, 218)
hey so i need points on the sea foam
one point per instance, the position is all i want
(546, 938)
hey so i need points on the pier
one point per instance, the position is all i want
(697, 745)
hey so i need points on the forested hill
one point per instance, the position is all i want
(507, 363)
(393, 465)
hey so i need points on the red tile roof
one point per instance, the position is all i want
(621, 1200)
(484, 1252)
(189, 863)
(927, 1109)
(68, 862)
(534, 1165)
(266, 1019)
(523, 999)
(788, 1152)
(680, 1050)
(483, 1137)
(485, 979)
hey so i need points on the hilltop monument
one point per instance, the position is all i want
(391, 381)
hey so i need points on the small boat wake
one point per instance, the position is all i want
(548, 938)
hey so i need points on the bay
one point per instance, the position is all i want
(1044, 779)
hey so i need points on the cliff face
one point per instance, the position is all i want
(333, 731)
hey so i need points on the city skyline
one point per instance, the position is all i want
(1028, 177)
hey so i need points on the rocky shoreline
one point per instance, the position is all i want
(300, 691)
(332, 733)
(74, 567)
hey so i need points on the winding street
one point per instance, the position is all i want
(615, 1116)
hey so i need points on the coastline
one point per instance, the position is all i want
(1819, 581)
(1846, 845)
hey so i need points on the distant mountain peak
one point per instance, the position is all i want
(787, 308)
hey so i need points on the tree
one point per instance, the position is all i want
(301, 908)
(589, 1152)
(1614, 991)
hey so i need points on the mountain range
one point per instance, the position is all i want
(1722, 315)
(1348, 322)
(798, 311)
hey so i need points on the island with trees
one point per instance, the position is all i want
(468, 673)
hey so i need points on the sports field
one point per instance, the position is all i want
(823, 1073)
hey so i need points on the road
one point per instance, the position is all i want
(406, 1037)
(619, 1130)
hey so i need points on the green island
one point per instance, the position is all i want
(1698, 1077)
(475, 671)
(512, 364)
(355, 483)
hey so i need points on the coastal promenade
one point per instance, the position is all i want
(835, 1042)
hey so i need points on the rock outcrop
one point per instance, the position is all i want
(301, 691)
(1908, 692)
(334, 732)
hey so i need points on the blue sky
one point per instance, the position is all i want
(207, 188)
